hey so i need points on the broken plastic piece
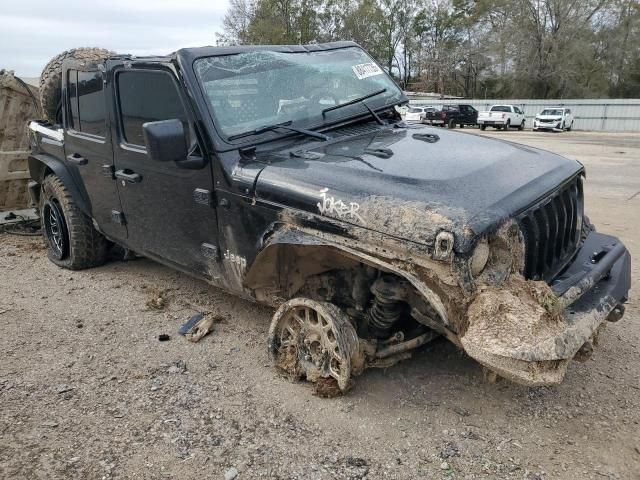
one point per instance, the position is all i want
(188, 325)
(196, 327)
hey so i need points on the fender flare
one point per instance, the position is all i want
(38, 166)
(292, 237)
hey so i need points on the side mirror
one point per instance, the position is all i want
(165, 140)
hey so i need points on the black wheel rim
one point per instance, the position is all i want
(55, 229)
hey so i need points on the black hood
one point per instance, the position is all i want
(413, 182)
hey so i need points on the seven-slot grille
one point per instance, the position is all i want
(552, 230)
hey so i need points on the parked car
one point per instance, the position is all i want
(451, 115)
(501, 116)
(415, 113)
(371, 236)
(555, 118)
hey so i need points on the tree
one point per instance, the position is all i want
(491, 48)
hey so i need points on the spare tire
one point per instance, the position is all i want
(51, 78)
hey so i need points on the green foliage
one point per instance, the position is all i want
(471, 48)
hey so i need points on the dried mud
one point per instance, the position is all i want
(513, 316)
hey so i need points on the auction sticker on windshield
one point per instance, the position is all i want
(366, 70)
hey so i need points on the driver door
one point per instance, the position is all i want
(168, 209)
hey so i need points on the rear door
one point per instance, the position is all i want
(519, 116)
(469, 114)
(87, 146)
(169, 210)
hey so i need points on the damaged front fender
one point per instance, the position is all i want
(526, 333)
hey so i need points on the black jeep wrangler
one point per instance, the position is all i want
(286, 175)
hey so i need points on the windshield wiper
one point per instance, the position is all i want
(355, 100)
(284, 126)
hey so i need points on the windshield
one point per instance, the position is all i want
(250, 90)
(550, 111)
(500, 108)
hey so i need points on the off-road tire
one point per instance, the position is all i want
(51, 78)
(85, 247)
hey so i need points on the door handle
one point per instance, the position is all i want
(77, 159)
(128, 176)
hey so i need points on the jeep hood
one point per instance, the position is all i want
(412, 182)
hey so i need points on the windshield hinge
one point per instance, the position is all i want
(248, 154)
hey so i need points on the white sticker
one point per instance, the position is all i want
(366, 70)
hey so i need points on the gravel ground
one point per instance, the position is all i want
(87, 390)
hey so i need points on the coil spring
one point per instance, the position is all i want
(386, 309)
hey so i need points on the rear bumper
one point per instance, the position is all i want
(590, 291)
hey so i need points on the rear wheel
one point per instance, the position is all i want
(451, 124)
(521, 126)
(483, 127)
(51, 79)
(508, 125)
(71, 239)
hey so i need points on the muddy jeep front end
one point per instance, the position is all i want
(495, 255)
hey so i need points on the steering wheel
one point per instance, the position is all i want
(321, 94)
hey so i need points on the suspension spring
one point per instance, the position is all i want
(387, 307)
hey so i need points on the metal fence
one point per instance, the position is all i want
(613, 115)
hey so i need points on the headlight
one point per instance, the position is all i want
(497, 255)
(480, 257)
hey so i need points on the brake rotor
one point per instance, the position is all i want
(313, 340)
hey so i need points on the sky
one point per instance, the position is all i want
(33, 31)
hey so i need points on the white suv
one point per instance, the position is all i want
(554, 118)
(415, 113)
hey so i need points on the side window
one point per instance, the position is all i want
(86, 103)
(147, 96)
(72, 91)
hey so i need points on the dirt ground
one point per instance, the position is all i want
(87, 391)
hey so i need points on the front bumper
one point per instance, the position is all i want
(537, 125)
(537, 350)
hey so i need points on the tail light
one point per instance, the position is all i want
(443, 115)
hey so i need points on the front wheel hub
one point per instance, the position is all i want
(313, 340)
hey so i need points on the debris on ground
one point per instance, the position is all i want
(156, 299)
(231, 474)
(198, 326)
(163, 337)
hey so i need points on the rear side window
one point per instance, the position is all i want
(147, 96)
(86, 103)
